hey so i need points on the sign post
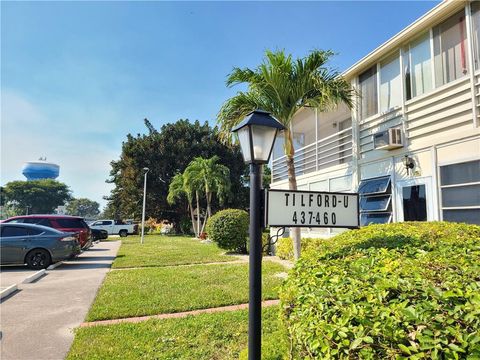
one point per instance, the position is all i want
(292, 208)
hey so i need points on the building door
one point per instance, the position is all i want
(414, 200)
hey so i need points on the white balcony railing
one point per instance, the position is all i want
(329, 151)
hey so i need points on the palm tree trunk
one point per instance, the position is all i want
(292, 185)
(198, 214)
(192, 216)
(209, 200)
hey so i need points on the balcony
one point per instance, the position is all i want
(329, 151)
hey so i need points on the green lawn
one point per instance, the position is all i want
(149, 291)
(160, 250)
(219, 336)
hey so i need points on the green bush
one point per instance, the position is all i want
(186, 226)
(284, 248)
(229, 229)
(396, 291)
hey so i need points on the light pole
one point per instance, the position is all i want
(146, 169)
(256, 134)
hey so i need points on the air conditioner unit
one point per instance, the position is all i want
(388, 139)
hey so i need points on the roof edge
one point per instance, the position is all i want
(425, 21)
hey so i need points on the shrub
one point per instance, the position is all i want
(387, 292)
(229, 229)
(284, 249)
(186, 226)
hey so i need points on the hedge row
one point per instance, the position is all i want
(397, 291)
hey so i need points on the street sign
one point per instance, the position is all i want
(289, 208)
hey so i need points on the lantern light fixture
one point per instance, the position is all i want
(256, 134)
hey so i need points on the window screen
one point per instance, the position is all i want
(375, 218)
(369, 92)
(418, 67)
(462, 173)
(450, 49)
(375, 201)
(390, 84)
(374, 186)
(460, 187)
(476, 31)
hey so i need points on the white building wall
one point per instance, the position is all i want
(440, 127)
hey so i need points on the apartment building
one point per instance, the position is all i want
(411, 145)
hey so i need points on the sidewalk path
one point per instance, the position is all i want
(37, 322)
(137, 319)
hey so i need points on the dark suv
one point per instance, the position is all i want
(63, 223)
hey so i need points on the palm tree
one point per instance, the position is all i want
(213, 177)
(282, 86)
(176, 191)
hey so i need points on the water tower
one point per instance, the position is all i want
(41, 169)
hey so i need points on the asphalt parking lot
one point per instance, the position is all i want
(38, 319)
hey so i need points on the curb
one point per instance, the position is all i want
(8, 290)
(34, 277)
(53, 266)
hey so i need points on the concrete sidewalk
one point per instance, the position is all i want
(37, 322)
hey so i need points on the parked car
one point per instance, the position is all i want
(115, 227)
(63, 223)
(98, 234)
(35, 245)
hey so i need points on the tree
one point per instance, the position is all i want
(282, 86)
(209, 176)
(83, 207)
(36, 196)
(176, 191)
(168, 152)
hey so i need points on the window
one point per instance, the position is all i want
(475, 5)
(14, 231)
(460, 186)
(390, 84)
(450, 49)
(368, 91)
(71, 223)
(35, 231)
(418, 67)
(374, 186)
(375, 201)
(414, 203)
(38, 221)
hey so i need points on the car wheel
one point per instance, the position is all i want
(38, 259)
(123, 233)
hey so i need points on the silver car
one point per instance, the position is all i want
(35, 245)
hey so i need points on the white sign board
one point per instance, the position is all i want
(312, 209)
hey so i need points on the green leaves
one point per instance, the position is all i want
(35, 196)
(283, 85)
(407, 290)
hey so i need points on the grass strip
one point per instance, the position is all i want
(219, 336)
(153, 291)
(158, 250)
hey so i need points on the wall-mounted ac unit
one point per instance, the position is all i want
(388, 139)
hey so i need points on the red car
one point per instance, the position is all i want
(63, 223)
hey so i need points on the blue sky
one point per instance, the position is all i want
(76, 77)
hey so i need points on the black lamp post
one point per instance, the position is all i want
(256, 134)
